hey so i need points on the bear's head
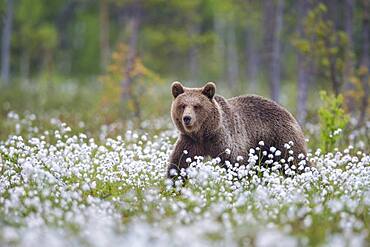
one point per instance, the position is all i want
(194, 110)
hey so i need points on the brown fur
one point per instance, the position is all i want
(237, 124)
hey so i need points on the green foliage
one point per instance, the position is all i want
(85, 53)
(333, 120)
(35, 37)
(48, 35)
(142, 92)
(67, 33)
(324, 46)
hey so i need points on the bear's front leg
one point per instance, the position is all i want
(183, 149)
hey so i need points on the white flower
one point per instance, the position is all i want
(173, 172)
(93, 185)
(87, 183)
(183, 173)
(261, 143)
(227, 151)
(301, 156)
(85, 187)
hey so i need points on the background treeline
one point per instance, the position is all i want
(126, 52)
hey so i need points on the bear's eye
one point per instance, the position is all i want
(182, 107)
(196, 107)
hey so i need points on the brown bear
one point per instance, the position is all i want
(211, 125)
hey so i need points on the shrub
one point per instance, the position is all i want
(333, 120)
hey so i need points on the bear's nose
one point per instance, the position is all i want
(187, 120)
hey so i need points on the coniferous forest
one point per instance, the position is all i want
(86, 130)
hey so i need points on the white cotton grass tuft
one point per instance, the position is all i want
(59, 187)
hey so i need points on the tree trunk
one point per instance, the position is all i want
(194, 30)
(303, 75)
(252, 61)
(349, 64)
(25, 63)
(134, 23)
(348, 16)
(276, 50)
(303, 78)
(365, 62)
(232, 58)
(104, 33)
(5, 44)
(220, 46)
(64, 17)
(333, 13)
(333, 75)
(268, 13)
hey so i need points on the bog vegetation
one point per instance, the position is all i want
(63, 186)
(85, 132)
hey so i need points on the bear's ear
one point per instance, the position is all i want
(209, 90)
(177, 89)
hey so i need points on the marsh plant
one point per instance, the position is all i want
(59, 187)
(333, 120)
